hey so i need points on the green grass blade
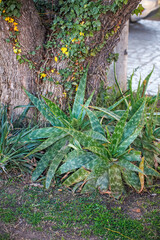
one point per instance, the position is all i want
(44, 110)
(79, 98)
(54, 164)
(78, 176)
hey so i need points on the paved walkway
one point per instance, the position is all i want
(144, 53)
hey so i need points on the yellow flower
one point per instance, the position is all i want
(82, 23)
(9, 19)
(0, 1)
(3, 10)
(15, 24)
(15, 29)
(15, 50)
(76, 88)
(73, 40)
(67, 54)
(81, 34)
(64, 49)
(55, 59)
(65, 94)
(52, 70)
(43, 75)
(19, 50)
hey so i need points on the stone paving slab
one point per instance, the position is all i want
(144, 53)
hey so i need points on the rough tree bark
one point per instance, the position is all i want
(32, 34)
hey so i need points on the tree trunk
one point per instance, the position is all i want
(14, 76)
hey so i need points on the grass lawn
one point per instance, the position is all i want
(29, 211)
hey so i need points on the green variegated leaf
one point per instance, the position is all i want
(129, 166)
(47, 143)
(82, 138)
(101, 152)
(103, 182)
(118, 132)
(134, 122)
(91, 165)
(95, 124)
(78, 176)
(79, 159)
(133, 156)
(144, 85)
(44, 109)
(54, 165)
(151, 172)
(79, 98)
(86, 105)
(89, 187)
(117, 103)
(132, 179)
(125, 144)
(107, 113)
(55, 109)
(130, 88)
(115, 181)
(46, 159)
(156, 132)
(97, 136)
(41, 133)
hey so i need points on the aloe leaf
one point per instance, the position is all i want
(107, 112)
(95, 124)
(138, 89)
(80, 175)
(144, 84)
(46, 159)
(82, 138)
(117, 103)
(133, 156)
(54, 165)
(103, 182)
(132, 179)
(44, 110)
(41, 133)
(156, 132)
(148, 171)
(130, 89)
(129, 166)
(101, 152)
(91, 165)
(133, 123)
(118, 132)
(79, 98)
(115, 181)
(79, 159)
(55, 109)
(86, 105)
(97, 136)
(89, 187)
(51, 140)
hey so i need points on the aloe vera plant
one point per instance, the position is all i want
(107, 165)
(55, 141)
(12, 149)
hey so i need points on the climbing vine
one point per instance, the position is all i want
(73, 24)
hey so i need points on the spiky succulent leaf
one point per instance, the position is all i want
(125, 144)
(46, 159)
(95, 124)
(103, 182)
(134, 122)
(101, 152)
(76, 160)
(44, 109)
(156, 132)
(117, 103)
(115, 181)
(118, 132)
(54, 164)
(97, 136)
(55, 109)
(132, 179)
(107, 113)
(133, 156)
(129, 166)
(78, 176)
(148, 171)
(144, 85)
(48, 142)
(86, 105)
(89, 186)
(130, 89)
(79, 98)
